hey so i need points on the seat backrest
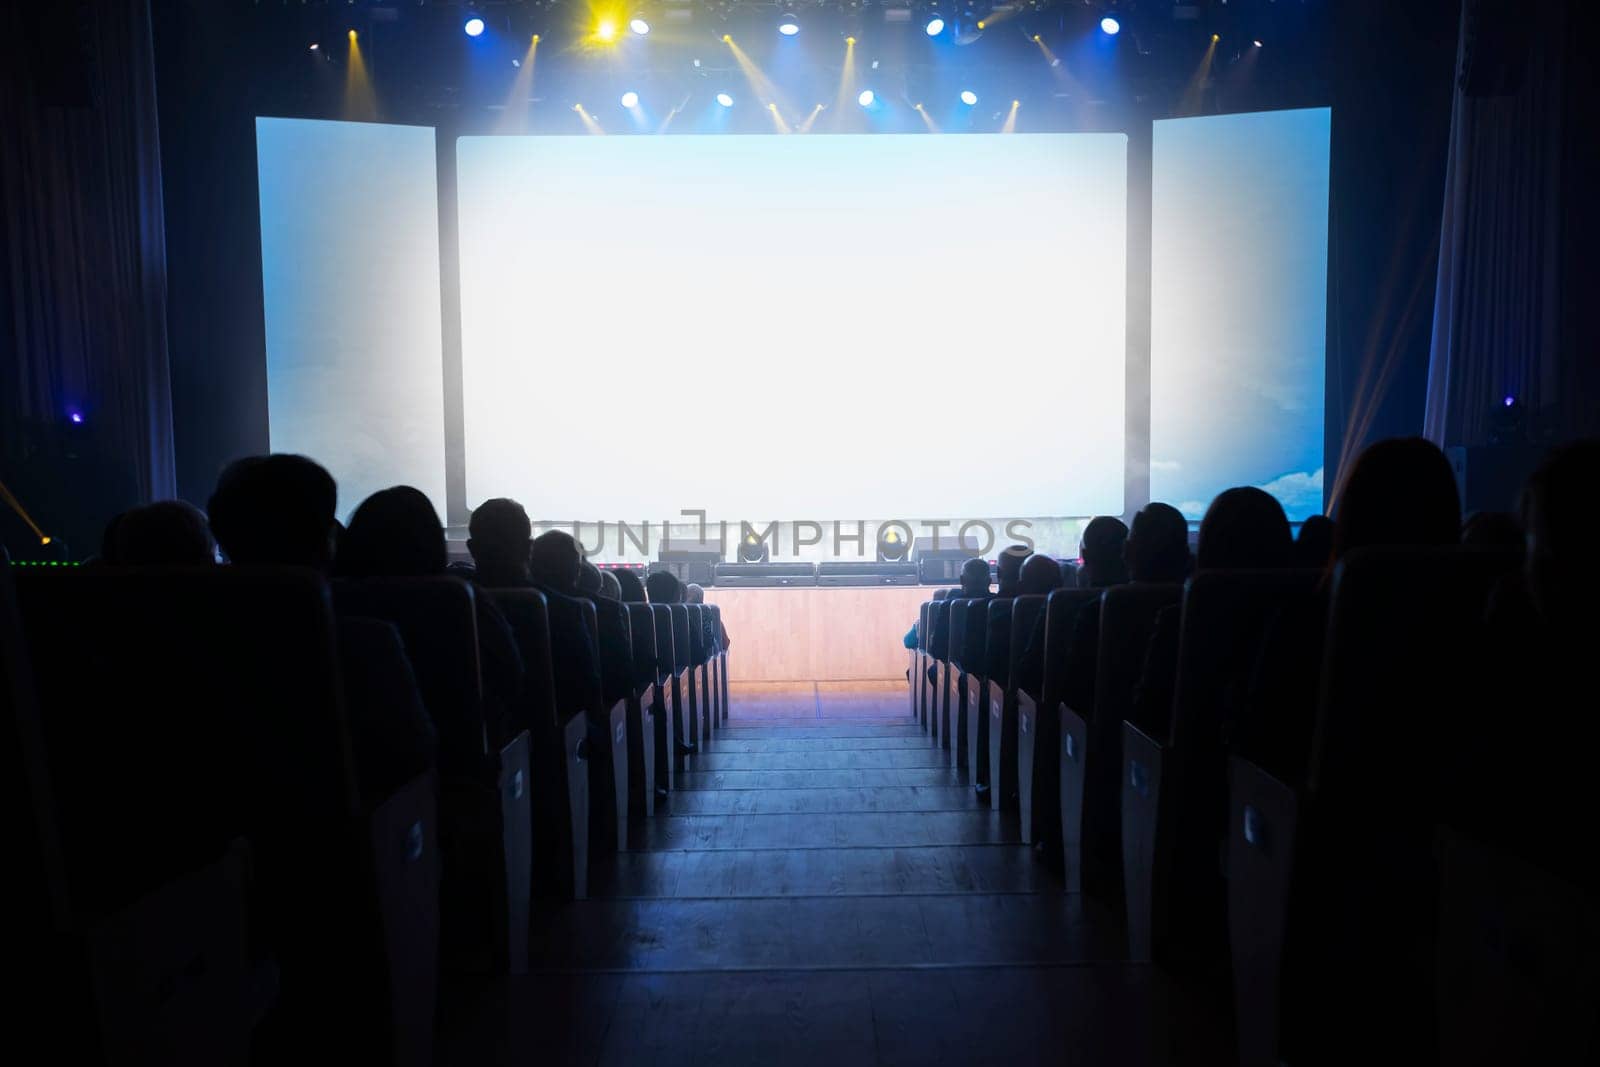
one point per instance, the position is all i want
(716, 625)
(1127, 615)
(642, 631)
(1062, 608)
(1225, 614)
(939, 619)
(1025, 612)
(438, 620)
(681, 649)
(697, 634)
(975, 637)
(997, 640)
(924, 620)
(666, 655)
(181, 709)
(1403, 628)
(528, 614)
(955, 633)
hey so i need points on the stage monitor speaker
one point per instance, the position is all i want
(766, 575)
(940, 566)
(856, 574)
(697, 567)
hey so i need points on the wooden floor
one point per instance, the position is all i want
(823, 890)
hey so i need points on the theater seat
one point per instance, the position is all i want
(974, 658)
(720, 681)
(684, 718)
(956, 685)
(1023, 712)
(608, 758)
(1057, 759)
(641, 713)
(182, 711)
(663, 702)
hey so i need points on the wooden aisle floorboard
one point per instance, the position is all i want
(822, 890)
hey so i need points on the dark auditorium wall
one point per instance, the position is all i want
(83, 270)
(1392, 88)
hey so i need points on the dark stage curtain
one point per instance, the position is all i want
(1515, 307)
(83, 274)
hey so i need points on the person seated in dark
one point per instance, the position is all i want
(974, 586)
(1313, 547)
(395, 533)
(716, 633)
(1399, 492)
(1243, 529)
(554, 563)
(663, 587)
(610, 588)
(1157, 553)
(616, 646)
(631, 585)
(168, 533)
(278, 510)
(1040, 575)
(1007, 569)
(1492, 529)
(1101, 563)
(275, 510)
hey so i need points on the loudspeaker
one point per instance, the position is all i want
(755, 575)
(853, 573)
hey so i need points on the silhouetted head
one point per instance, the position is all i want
(168, 533)
(1101, 549)
(275, 509)
(1158, 545)
(498, 535)
(589, 580)
(554, 560)
(1561, 514)
(693, 594)
(1314, 546)
(1243, 528)
(1007, 568)
(1399, 492)
(975, 577)
(1040, 574)
(1492, 529)
(664, 588)
(610, 588)
(395, 533)
(631, 585)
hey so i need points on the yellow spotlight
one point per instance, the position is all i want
(536, 38)
(851, 41)
(982, 24)
(606, 30)
(727, 38)
(1016, 103)
(1215, 37)
(44, 540)
(352, 35)
(1036, 37)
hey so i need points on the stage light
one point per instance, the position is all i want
(894, 543)
(352, 35)
(850, 42)
(969, 97)
(788, 25)
(1256, 43)
(981, 24)
(1110, 26)
(724, 99)
(76, 417)
(935, 26)
(1510, 400)
(866, 98)
(1215, 37)
(630, 100)
(753, 549)
(473, 27)
(638, 25)
(606, 30)
(315, 47)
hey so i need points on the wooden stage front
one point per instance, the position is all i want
(818, 634)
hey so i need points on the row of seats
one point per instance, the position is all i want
(1346, 900)
(204, 875)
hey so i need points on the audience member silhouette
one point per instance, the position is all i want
(631, 584)
(1157, 553)
(275, 509)
(1399, 492)
(610, 587)
(395, 533)
(1314, 546)
(1040, 574)
(168, 533)
(1243, 529)
(1007, 568)
(554, 562)
(974, 586)
(663, 587)
(499, 536)
(616, 646)
(1101, 550)
(716, 633)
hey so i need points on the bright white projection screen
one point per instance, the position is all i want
(771, 327)
(1239, 279)
(350, 281)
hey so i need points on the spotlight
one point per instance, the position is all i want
(473, 27)
(606, 30)
(866, 98)
(969, 97)
(724, 99)
(76, 417)
(788, 25)
(753, 549)
(352, 35)
(894, 543)
(1256, 43)
(315, 47)
(1509, 401)
(630, 100)
(1110, 26)
(638, 25)
(935, 26)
